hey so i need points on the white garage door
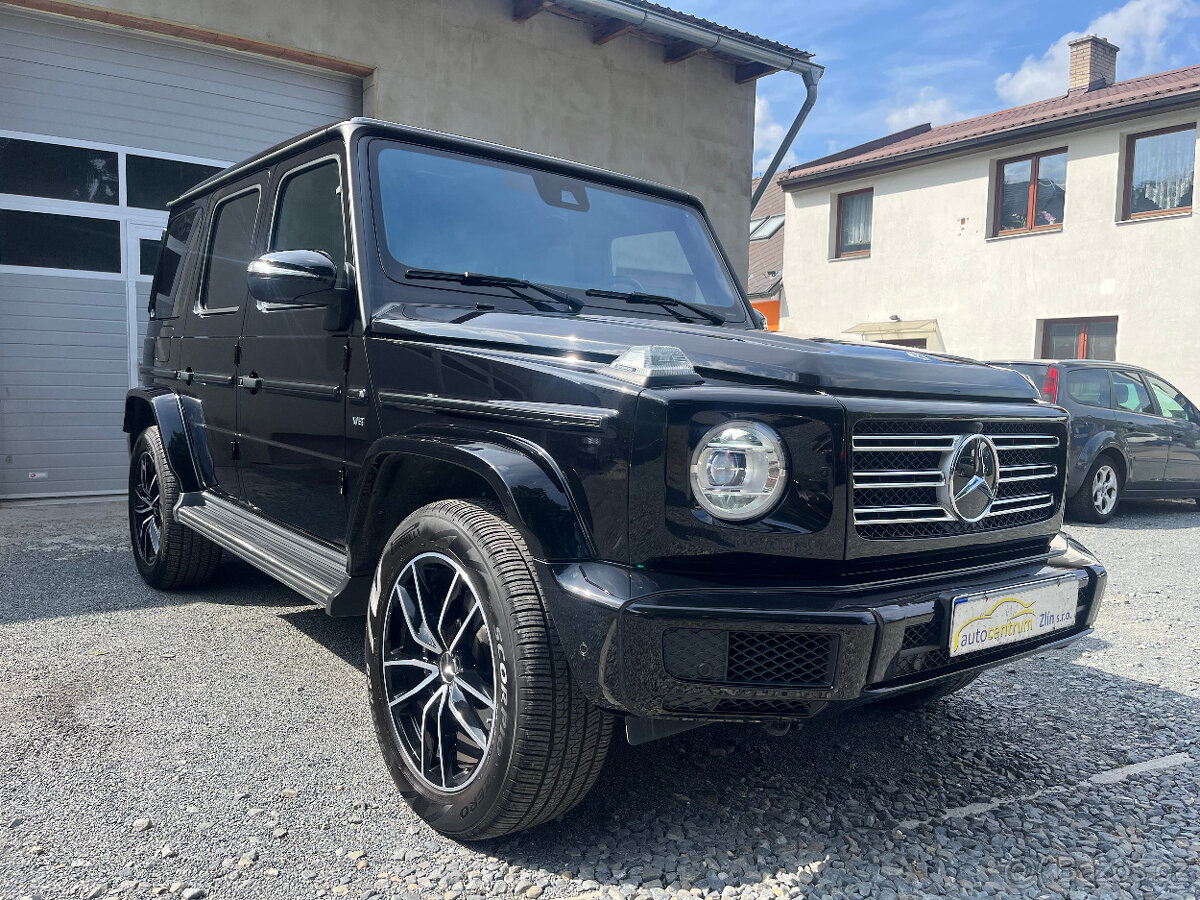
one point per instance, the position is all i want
(98, 128)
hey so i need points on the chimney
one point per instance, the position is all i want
(1093, 63)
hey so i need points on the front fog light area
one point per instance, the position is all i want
(739, 471)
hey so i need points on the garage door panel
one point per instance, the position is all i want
(136, 126)
(35, 307)
(88, 50)
(118, 87)
(40, 358)
(64, 344)
(93, 480)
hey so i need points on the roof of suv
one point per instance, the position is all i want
(441, 139)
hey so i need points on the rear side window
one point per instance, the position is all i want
(309, 215)
(1130, 394)
(229, 251)
(1089, 387)
(180, 229)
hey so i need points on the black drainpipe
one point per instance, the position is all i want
(810, 99)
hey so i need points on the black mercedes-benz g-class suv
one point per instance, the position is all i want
(519, 412)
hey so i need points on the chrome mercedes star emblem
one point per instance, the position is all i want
(972, 478)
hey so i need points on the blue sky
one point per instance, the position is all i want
(895, 63)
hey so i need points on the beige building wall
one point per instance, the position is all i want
(932, 258)
(465, 67)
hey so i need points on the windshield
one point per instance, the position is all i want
(446, 212)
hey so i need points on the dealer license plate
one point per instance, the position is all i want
(1005, 616)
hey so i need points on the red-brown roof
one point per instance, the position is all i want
(766, 256)
(1075, 108)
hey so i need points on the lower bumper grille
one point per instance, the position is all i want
(794, 659)
(903, 479)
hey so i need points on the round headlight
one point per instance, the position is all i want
(739, 471)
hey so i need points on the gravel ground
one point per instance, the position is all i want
(218, 744)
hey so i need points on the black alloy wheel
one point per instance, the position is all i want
(439, 671)
(478, 716)
(168, 555)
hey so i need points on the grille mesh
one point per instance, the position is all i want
(891, 466)
(796, 659)
(773, 657)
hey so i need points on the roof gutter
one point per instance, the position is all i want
(672, 29)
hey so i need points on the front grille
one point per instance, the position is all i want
(901, 472)
(795, 659)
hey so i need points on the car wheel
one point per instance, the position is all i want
(1097, 500)
(923, 696)
(480, 721)
(168, 554)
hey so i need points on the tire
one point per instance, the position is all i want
(474, 627)
(931, 694)
(1097, 500)
(169, 555)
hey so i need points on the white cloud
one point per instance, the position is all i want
(1141, 28)
(767, 136)
(930, 106)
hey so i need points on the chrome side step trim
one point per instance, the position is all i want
(310, 568)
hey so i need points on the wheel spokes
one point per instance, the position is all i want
(445, 607)
(463, 628)
(469, 682)
(414, 610)
(466, 716)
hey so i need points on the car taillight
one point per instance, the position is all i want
(1050, 385)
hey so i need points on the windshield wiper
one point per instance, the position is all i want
(669, 303)
(515, 285)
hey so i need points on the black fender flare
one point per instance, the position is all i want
(530, 487)
(180, 422)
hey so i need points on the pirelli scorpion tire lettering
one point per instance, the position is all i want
(478, 717)
(169, 556)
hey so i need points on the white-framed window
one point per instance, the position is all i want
(66, 206)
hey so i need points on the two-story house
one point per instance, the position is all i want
(1059, 229)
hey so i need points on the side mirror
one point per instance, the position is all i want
(297, 277)
(760, 320)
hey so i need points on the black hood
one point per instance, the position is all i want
(742, 354)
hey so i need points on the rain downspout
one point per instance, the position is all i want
(811, 77)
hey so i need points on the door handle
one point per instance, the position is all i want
(251, 382)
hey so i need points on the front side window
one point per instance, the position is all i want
(1089, 387)
(1159, 170)
(229, 250)
(1032, 192)
(309, 216)
(1129, 394)
(445, 212)
(1079, 339)
(854, 223)
(1172, 403)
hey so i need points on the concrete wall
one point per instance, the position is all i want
(464, 66)
(932, 258)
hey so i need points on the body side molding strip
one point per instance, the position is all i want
(559, 414)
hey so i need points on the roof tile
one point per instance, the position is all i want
(1164, 85)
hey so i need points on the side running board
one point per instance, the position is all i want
(306, 566)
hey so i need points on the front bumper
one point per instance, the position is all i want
(665, 648)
